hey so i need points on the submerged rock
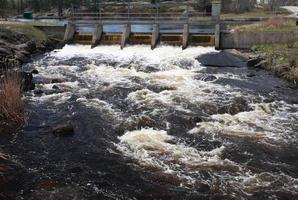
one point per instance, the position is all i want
(239, 104)
(55, 87)
(34, 71)
(38, 92)
(57, 80)
(63, 130)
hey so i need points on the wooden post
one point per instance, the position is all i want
(155, 36)
(125, 35)
(185, 36)
(69, 32)
(97, 35)
(217, 36)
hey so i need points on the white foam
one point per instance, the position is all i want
(268, 120)
(152, 148)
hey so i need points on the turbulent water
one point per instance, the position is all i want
(155, 125)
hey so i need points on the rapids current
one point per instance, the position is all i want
(155, 125)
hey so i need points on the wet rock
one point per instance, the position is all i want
(210, 78)
(34, 71)
(160, 88)
(208, 108)
(5, 51)
(205, 77)
(38, 92)
(57, 80)
(11, 178)
(250, 75)
(27, 82)
(55, 87)
(261, 64)
(204, 188)
(252, 62)
(63, 130)
(22, 57)
(139, 122)
(239, 104)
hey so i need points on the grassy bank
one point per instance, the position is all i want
(274, 24)
(281, 59)
(256, 13)
(26, 28)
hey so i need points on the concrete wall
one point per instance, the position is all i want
(53, 31)
(246, 40)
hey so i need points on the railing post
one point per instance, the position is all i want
(216, 9)
(217, 36)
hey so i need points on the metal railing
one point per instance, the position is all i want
(129, 16)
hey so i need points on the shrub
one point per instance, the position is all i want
(11, 103)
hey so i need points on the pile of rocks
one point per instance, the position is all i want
(16, 48)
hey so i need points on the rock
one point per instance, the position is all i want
(57, 80)
(63, 130)
(31, 46)
(55, 87)
(34, 71)
(261, 64)
(239, 104)
(205, 77)
(22, 57)
(250, 75)
(27, 81)
(210, 78)
(38, 92)
(203, 188)
(222, 59)
(5, 51)
(252, 62)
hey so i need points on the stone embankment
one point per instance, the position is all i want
(17, 48)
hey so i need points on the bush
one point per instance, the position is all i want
(11, 103)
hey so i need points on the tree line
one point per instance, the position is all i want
(18, 6)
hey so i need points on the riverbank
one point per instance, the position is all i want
(19, 43)
(280, 59)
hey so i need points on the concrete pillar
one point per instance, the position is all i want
(217, 36)
(125, 35)
(97, 35)
(216, 9)
(185, 36)
(155, 36)
(69, 32)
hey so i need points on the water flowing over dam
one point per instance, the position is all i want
(156, 125)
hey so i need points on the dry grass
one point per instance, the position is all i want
(282, 59)
(273, 24)
(11, 103)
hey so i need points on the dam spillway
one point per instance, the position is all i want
(122, 34)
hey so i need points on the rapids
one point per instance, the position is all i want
(155, 125)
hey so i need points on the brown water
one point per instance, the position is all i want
(154, 125)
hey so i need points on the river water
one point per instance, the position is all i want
(155, 125)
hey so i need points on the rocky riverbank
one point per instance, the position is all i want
(16, 48)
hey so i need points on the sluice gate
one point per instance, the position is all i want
(179, 29)
(123, 39)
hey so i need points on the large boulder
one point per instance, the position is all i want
(222, 59)
(64, 130)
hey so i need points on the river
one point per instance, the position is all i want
(155, 125)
